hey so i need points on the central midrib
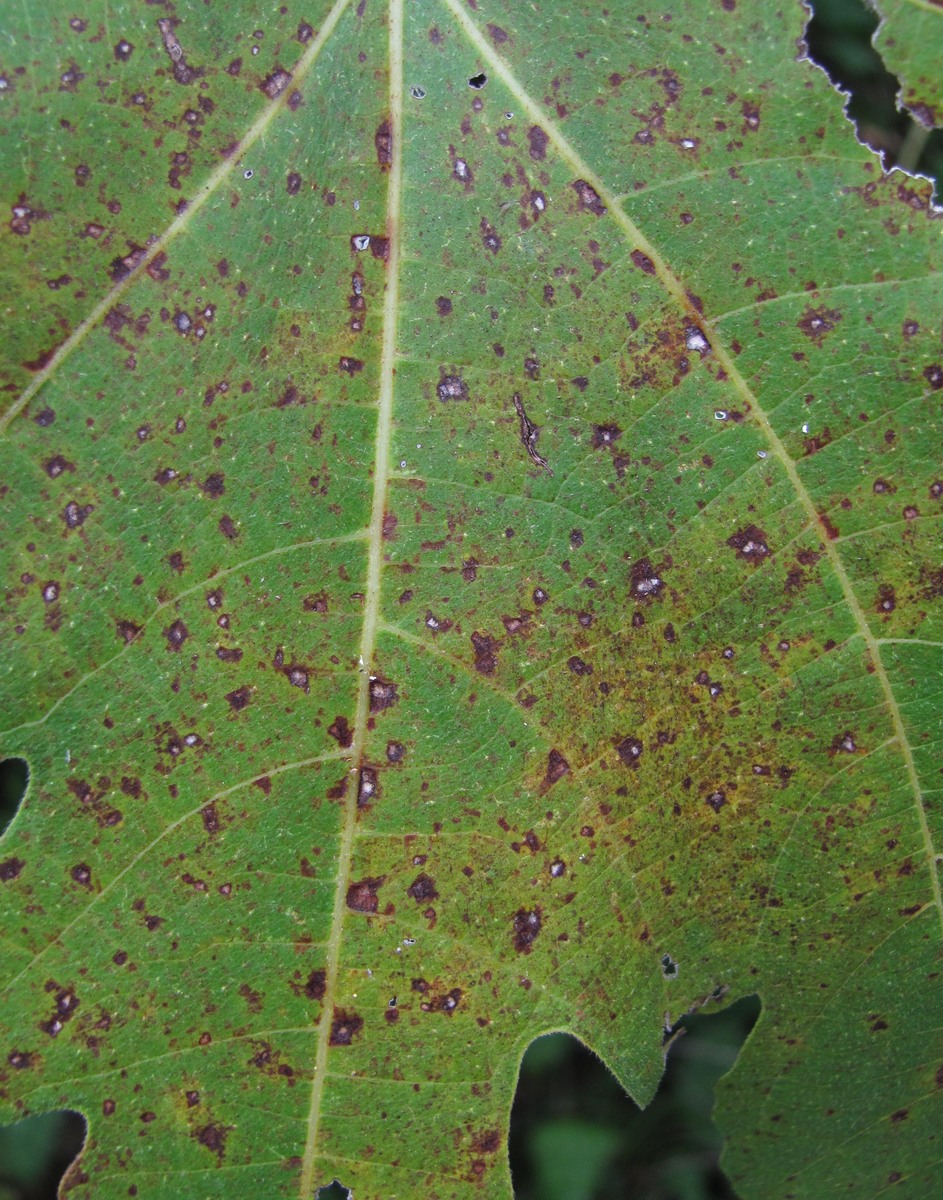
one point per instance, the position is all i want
(371, 609)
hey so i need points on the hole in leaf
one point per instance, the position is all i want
(838, 39)
(36, 1153)
(478, 81)
(14, 776)
(575, 1135)
(333, 1191)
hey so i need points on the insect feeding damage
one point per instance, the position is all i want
(529, 434)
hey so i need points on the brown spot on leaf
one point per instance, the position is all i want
(645, 583)
(362, 896)
(213, 1137)
(239, 698)
(486, 649)
(10, 869)
(557, 766)
(176, 634)
(934, 376)
(630, 750)
(316, 985)
(527, 925)
(345, 1026)
(815, 323)
(275, 82)
(537, 141)
(383, 140)
(750, 544)
(383, 694)
(340, 730)
(128, 631)
(452, 387)
(422, 888)
(643, 262)
(588, 197)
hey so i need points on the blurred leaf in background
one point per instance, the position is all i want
(839, 39)
(576, 1136)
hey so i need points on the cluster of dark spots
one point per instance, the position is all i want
(422, 889)
(227, 654)
(252, 998)
(239, 698)
(349, 366)
(82, 874)
(315, 602)
(486, 650)
(340, 730)
(537, 141)
(643, 262)
(362, 896)
(526, 925)
(578, 666)
(295, 673)
(437, 624)
(345, 1026)
(10, 869)
(23, 215)
(815, 323)
(452, 387)
(443, 306)
(383, 694)
(66, 1002)
(588, 197)
(446, 1003)
(750, 544)
(20, 1060)
(645, 583)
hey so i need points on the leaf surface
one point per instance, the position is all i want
(472, 501)
(909, 40)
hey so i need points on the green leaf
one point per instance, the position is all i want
(909, 41)
(471, 502)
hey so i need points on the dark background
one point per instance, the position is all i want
(575, 1135)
